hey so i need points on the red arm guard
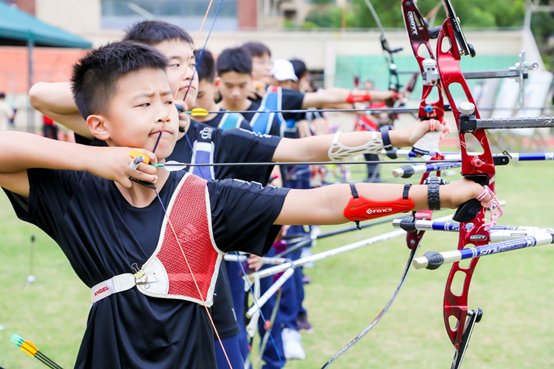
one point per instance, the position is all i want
(360, 208)
(358, 97)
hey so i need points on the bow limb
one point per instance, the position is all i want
(436, 112)
(479, 168)
(394, 78)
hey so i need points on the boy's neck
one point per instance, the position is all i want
(140, 196)
(240, 106)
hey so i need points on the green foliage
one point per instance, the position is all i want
(473, 13)
(328, 17)
(543, 28)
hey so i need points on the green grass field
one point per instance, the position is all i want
(514, 289)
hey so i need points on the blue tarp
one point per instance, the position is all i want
(18, 28)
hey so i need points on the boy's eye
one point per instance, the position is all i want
(143, 105)
(175, 65)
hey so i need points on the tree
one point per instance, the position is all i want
(473, 13)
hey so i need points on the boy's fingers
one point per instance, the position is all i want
(148, 169)
(145, 177)
(125, 182)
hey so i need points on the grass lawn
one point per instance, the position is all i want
(514, 289)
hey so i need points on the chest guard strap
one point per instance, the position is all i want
(203, 153)
(262, 121)
(166, 273)
(230, 120)
(359, 208)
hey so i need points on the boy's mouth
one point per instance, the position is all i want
(161, 131)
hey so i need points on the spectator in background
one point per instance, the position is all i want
(11, 122)
(49, 128)
(6, 113)
(65, 134)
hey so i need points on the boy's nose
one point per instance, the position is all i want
(164, 117)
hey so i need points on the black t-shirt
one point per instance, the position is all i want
(102, 235)
(231, 146)
(292, 100)
(251, 110)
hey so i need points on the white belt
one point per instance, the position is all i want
(119, 283)
(155, 281)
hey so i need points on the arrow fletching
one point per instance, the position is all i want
(27, 347)
(199, 112)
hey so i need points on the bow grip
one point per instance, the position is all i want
(139, 157)
(467, 211)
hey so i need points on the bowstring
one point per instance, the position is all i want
(208, 313)
(218, 9)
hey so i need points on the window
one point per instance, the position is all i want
(188, 14)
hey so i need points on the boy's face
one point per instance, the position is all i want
(304, 83)
(261, 68)
(234, 87)
(140, 108)
(290, 84)
(206, 95)
(181, 70)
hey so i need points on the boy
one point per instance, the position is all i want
(274, 98)
(205, 99)
(177, 46)
(110, 225)
(234, 82)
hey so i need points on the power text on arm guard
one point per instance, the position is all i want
(360, 208)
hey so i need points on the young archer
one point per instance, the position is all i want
(114, 230)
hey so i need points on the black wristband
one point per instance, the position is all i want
(433, 196)
(384, 130)
(356, 196)
(406, 191)
(354, 190)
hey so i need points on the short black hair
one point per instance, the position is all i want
(300, 68)
(153, 32)
(96, 75)
(205, 65)
(236, 59)
(257, 49)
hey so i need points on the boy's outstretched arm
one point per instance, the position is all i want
(20, 151)
(316, 148)
(55, 100)
(335, 97)
(326, 205)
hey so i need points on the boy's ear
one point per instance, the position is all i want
(97, 127)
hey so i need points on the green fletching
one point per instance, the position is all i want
(17, 340)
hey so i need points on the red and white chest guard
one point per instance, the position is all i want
(186, 261)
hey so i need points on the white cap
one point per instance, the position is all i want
(283, 70)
